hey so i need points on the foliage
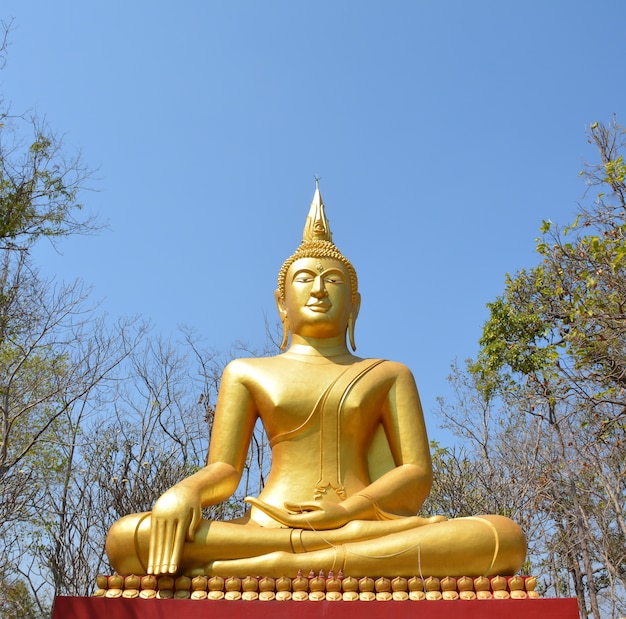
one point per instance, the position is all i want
(38, 187)
(39, 181)
(16, 600)
(549, 383)
(121, 447)
(96, 418)
(55, 354)
(562, 324)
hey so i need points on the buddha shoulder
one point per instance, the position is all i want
(395, 374)
(239, 370)
(396, 368)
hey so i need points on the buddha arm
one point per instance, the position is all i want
(177, 513)
(402, 490)
(398, 493)
(233, 425)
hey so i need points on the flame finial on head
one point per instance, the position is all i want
(316, 227)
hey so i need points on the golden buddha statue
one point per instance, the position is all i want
(350, 458)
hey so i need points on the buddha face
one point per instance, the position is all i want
(318, 298)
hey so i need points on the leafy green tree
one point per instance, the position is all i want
(563, 323)
(554, 351)
(16, 600)
(39, 181)
(55, 354)
(125, 445)
(96, 420)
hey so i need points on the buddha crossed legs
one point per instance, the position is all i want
(350, 458)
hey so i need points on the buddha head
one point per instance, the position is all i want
(323, 277)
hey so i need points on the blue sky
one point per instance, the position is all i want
(443, 133)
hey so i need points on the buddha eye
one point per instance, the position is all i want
(334, 279)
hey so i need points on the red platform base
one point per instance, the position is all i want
(103, 608)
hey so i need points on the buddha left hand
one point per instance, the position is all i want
(308, 515)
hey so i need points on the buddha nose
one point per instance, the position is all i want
(319, 288)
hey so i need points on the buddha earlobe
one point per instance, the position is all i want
(282, 312)
(351, 321)
(283, 343)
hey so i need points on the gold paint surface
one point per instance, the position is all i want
(350, 465)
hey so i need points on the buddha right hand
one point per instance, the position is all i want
(308, 515)
(174, 519)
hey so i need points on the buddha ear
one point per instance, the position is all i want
(282, 312)
(280, 305)
(356, 306)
